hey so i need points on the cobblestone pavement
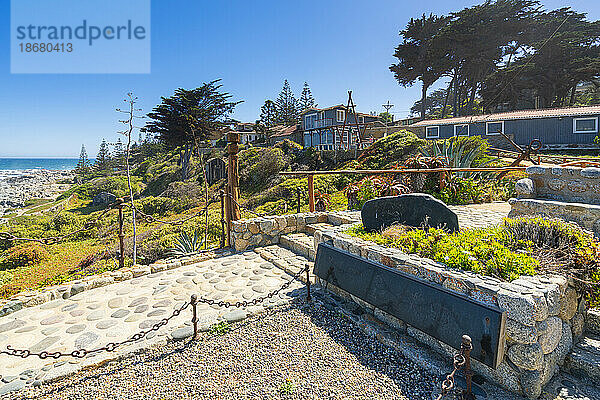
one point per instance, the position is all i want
(115, 312)
(481, 215)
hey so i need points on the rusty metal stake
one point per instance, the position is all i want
(466, 347)
(194, 303)
(308, 298)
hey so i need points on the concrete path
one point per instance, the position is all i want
(481, 215)
(113, 313)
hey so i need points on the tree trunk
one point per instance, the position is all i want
(446, 98)
(185, 160)
(423, 99)
(455, 112)
(572, 100)
(472, 99)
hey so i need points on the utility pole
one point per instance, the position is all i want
(387, 107)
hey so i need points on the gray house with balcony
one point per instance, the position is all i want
(573, 127)
(330, 128)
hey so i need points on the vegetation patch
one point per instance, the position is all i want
(522, 246)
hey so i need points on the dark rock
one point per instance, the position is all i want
(416, 209)
(103, 199)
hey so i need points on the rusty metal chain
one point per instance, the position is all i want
(89, 225)
(460, 360)
(80, 353)
(255, 301)
(244, 207)
(150, 219)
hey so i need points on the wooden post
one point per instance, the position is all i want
(311, 193)
(232, 191)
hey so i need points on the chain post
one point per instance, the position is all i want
(222, 196)
(121, 234)
(308, 297)
(466, 347)
(194, 303)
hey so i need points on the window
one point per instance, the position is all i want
(322, 115)
(461, 130)
(494, 128)
(432, 132)
(361, 119)
(340, 114)
(585, 125)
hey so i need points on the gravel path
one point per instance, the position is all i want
(296, 352)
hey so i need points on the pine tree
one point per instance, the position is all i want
(103, 157)
(286, 106)
(306, 99)
(268, 114)
(83, 165)
(118, 159)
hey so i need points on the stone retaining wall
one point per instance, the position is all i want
(569, 193)
(568, 184)
(264, 231)
(545, 313)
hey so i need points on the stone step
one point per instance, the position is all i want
(299, 243)
(311, 228)
(286, 260)
(584, 360)
(592, 321)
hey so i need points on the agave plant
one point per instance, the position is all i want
(457, 154)
(186, 244)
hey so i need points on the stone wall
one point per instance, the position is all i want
(264, 231)
(544, 313)
(568, 184)
(569, 193)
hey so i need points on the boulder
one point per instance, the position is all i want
(416, 209)
(103, 199)
(525, 188)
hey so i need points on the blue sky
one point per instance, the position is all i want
(253, 46)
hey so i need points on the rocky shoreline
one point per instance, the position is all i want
(18, 186)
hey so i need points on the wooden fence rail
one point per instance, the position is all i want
(311, 174)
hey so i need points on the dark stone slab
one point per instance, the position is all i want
(416, 209)
(439, 312)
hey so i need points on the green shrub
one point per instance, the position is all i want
(24, 255)
(477, 250)
(392, 149)
(159, 205)
(116, 185)
(258, 166)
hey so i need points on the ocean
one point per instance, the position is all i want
(56, 164)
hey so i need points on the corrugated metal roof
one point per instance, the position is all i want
(523, 114)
